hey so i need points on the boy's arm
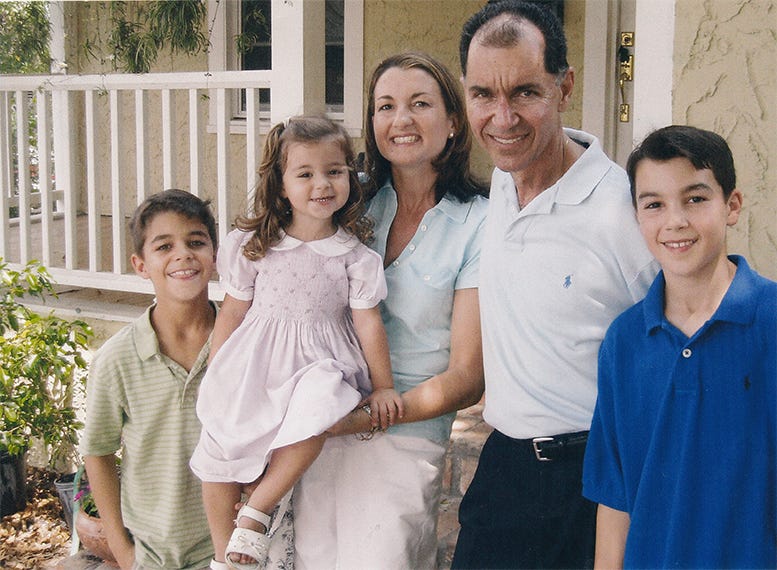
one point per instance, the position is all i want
(374, 342)
(104, 483)
(612, 527)
(231, 314)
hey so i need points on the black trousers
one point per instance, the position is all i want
(523, 513)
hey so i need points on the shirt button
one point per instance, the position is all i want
(411, 247)
(687, 353)
(423, 228)
(427, 277)
(395, 263)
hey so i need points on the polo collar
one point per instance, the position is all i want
(146, 341)
(585, 174)
(340, 243)
(736, 306)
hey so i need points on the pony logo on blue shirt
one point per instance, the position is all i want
(568, 281)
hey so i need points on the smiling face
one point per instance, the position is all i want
(683, 216)
(316, 182)
(410, 120)
(514, 105)
(178, 257)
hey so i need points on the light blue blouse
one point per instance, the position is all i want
(442, 256)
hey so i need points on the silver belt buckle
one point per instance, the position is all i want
(537, 450)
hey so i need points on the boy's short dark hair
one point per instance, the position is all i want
(704, 149)
(506, 35)
(176, 201)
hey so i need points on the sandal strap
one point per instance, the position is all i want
(251, 543)
(215, 565)
(254, 514)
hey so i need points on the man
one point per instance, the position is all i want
(561, 259)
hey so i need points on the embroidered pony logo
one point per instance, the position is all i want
(568, 281)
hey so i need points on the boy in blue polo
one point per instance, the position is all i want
(681, 455)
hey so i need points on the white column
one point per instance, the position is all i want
(298, 59)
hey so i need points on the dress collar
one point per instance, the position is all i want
(341, 242)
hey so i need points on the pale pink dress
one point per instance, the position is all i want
(294, 367)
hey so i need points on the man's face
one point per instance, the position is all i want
(514, 106)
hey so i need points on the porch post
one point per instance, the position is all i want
(298, 59)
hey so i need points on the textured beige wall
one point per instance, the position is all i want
(725, 80)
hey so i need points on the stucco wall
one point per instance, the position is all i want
(725, 78)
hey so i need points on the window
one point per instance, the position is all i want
(251, 20)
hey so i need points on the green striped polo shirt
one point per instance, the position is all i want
(142, 402)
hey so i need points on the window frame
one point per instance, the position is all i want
(224, 20)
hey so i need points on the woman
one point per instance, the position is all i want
(374, 504)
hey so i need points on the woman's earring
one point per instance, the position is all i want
(451, 135)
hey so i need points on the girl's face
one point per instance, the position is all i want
(316, 183)
(410, 120)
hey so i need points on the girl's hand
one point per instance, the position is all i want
(386, 406)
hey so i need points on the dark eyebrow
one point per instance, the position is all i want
(696, 187)
(164, 237)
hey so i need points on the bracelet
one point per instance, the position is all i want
(367, 435)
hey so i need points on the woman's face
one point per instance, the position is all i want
(410, 121)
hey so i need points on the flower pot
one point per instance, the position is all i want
(67, 492)
(13, 483)
(92, 535)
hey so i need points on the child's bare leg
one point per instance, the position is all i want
(219, 500)
(283, 471)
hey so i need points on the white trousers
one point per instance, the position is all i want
(370, 505)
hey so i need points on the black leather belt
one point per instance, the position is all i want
(559, 446)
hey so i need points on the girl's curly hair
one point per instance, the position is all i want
(272, 212)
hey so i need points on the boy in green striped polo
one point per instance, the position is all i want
(142, 391)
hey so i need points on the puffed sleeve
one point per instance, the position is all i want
(236, 272)
(366, 281)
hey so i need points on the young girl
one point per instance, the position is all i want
(298, 338)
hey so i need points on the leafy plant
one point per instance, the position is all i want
(139, 30)
(86, 500)
(42, 366)
(24, 35)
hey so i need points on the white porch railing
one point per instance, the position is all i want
(77, 153)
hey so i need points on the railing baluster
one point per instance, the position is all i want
(93, 201)
(6, 175)
(141, 146)
(43, 104)
(195, 143)
(62, 120)
(23, 175)
(168, 140)
(222, 162)
(117, 204)
(253, 149)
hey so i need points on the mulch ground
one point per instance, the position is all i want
(37, 537)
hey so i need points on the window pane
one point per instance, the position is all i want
(335, 23)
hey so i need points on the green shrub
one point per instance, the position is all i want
(42, 367)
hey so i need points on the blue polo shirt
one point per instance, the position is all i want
(442, 256)
(683, 435)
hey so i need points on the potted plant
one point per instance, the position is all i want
(88, 526)
(42, 368)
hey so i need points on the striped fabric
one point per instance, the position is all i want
(143, 403)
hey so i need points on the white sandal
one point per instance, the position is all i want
(249, 542)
